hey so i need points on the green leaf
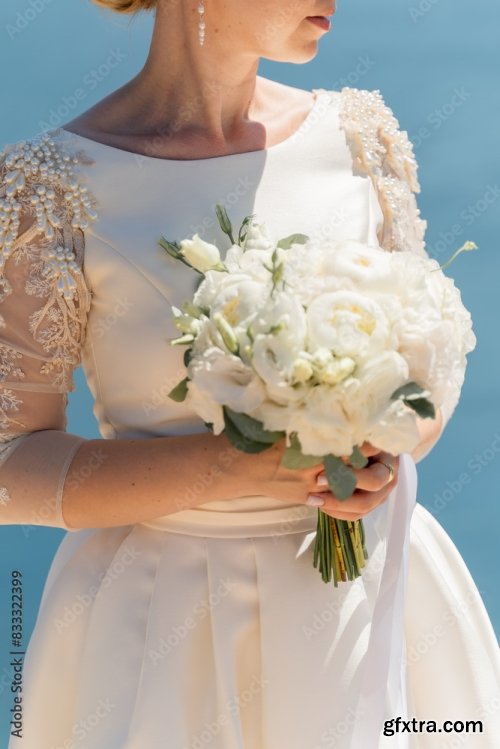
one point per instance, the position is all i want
(171, 247)
(252, 428)
(175, 252)
(341, 478)
(239, 440)
(409, 394)
(423, 407)
(293, 456)
(287, 242)
(180, 391)
(188, 353)
(408, 390)
(357, 459)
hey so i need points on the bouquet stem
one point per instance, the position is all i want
(339, 548)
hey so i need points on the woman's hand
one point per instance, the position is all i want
(374, 483)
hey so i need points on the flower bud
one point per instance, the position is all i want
(202, 255)
(302, 370)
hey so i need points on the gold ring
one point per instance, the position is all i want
(390, 468)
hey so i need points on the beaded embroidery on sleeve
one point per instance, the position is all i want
(383, 152)
(39, 179)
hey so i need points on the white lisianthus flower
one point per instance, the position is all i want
(202, 255)
(273, 359)
(210, 411)
(213, 284)
(226, 380)
(251, 262)
(322, 424)
(395, 431)
(257, 237)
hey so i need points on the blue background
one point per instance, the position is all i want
(436, 63)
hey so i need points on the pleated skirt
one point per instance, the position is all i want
(156, 638)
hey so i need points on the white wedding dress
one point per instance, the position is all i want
(210, 627)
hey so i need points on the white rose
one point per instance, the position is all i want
(202, 255)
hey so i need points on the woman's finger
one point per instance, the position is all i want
(359, 504)
(374, 477)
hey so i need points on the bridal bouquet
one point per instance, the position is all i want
(326, 344)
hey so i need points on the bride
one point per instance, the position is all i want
(182, 608)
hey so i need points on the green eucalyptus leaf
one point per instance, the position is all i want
(341, 478)
(252, 428)
(410, 395)
(239, 440)
(180, 391)
(287, 242)
(423, 407)
(407, 391)
(357, 459)
(293, 456)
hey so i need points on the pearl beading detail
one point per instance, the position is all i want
(383, 152)
(40, 178)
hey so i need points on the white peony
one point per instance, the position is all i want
(348, 323)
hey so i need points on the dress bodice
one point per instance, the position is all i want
(304, 184)
(93, 254)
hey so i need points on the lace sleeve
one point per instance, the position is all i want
(44, 301)
(383, 152)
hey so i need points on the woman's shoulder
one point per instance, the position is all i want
(45, 207)
(43, 176)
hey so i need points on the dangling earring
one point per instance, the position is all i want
(201, 22)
